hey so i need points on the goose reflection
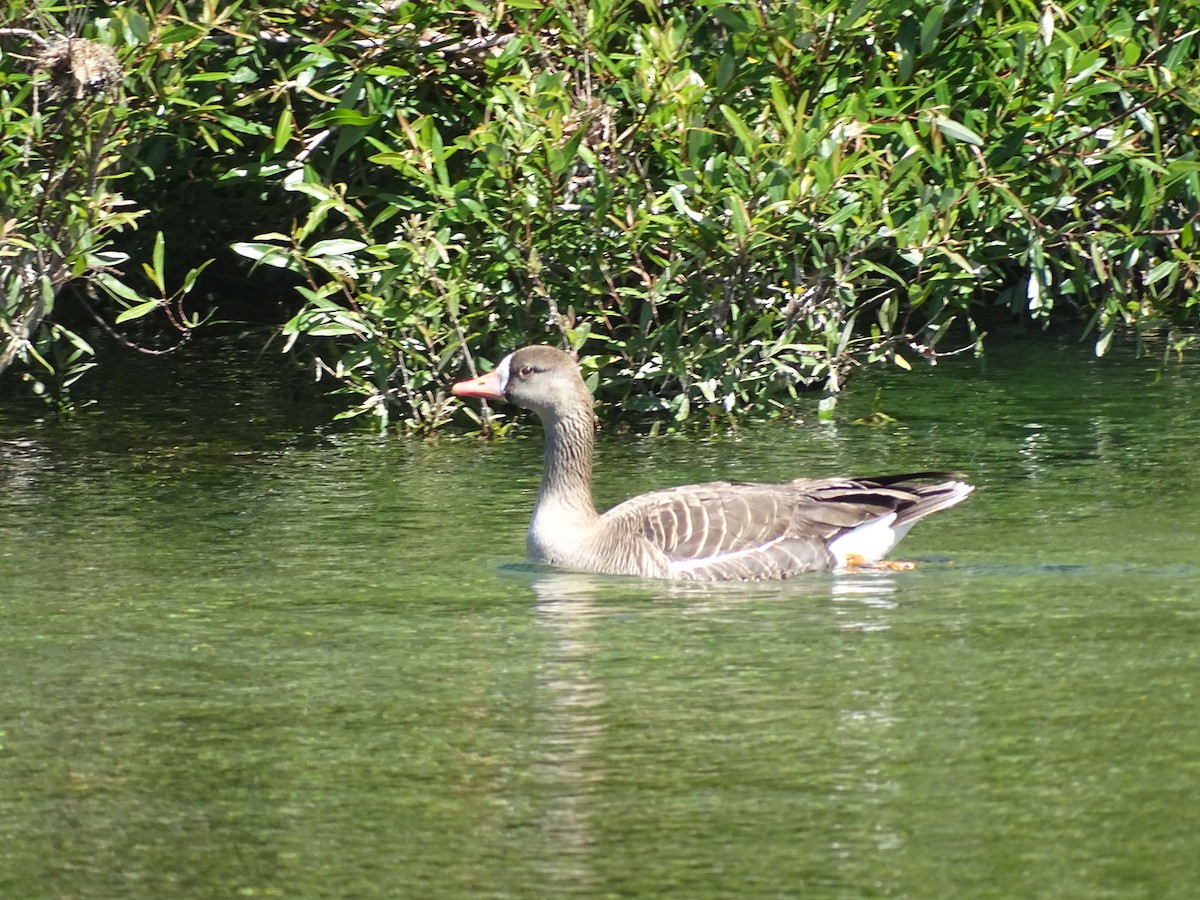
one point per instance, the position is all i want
(572, 721)
(578, 612)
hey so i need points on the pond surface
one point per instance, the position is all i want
(242, 656)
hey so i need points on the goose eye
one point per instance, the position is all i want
(526, 371)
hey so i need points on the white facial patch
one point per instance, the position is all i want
(502, 371)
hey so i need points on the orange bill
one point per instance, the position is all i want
(485, 386)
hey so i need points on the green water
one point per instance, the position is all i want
(241, 656)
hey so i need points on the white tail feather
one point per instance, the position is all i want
(869, 542)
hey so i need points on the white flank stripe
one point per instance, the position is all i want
(688, 564)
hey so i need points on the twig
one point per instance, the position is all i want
(124, 341)
(25, 32)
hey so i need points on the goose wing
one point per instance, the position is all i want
(731, 531)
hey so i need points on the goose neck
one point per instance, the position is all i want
(567, 473)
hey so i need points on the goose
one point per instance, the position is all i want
(719, 531)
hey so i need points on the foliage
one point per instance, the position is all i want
(722, 204)
(64, 131)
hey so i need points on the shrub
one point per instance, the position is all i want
(66, 131)
(723, 204)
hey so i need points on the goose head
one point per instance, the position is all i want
(538, 378)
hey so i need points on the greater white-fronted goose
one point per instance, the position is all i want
(720, 531)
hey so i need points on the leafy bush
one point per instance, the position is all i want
(66, 130)
(722, 204)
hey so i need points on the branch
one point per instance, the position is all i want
(25, 32)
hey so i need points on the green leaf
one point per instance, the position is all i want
(136, 312)
(1106, 335)
(189, 280)
(117, 288)
(676, 195)
(931, 28)
(738, 124)
(1008, 146)
(957, 130)
(283, 129)
(565, 158)
(396, 160)
(266, 254)
(335, 247)
(731, 20)
(740, 216)
(1162, 270)
(343, 117)
(159, 267)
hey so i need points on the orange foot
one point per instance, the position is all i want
(855, 561)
